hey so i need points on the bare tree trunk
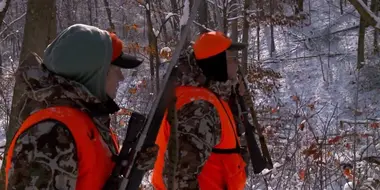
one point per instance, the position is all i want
(225, 16)
(258, 41)
(124, 31)
(15, 46)
(375, 9)
(2, 15)
(214, 24)
(108, 10)
(187, 39)
(75, 7)
(59, 20)
(96, 12)
(361, 43)
(234, 24)
(161, 20)
(272, 45)
(153, 53)
(151, 57)
(260, 15)
(218, 17)
(89, 6)
(155, 49)
(40, 29)
(376, 48)
(1, 63)
(164, 29)
(203, 16)
(299, 7)
(4, 10)
(244, 59)
(175, 20)
(68, 8)
(157, 70)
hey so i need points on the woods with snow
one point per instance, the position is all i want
(312, 68)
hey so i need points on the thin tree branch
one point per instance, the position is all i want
(370, 18)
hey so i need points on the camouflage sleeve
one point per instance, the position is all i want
(44, 157)
(199, 131)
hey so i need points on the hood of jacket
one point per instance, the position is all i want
(83, 54)
(189, 74)
(45, 89)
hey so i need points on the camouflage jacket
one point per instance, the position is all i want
(199, 126)
(44, 156)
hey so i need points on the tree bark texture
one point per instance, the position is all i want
(2, 12)
(40, 29)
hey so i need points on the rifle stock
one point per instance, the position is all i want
(257, 160)
(264, 154)
(135, 124)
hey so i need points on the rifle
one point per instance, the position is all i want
(125, 175)
(259, 159)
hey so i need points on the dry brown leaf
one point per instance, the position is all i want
(347, 172)
(311, 106)
(374, 125)
(295, 98)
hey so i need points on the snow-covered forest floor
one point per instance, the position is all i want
(325, 110)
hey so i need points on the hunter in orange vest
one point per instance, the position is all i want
(64, 141)
(209, 148)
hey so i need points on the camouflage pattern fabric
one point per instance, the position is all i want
(45, 89)
(45, 156)
(199, 126)
(147, 157)
(199, 130)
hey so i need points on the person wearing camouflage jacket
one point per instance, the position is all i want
(80, 69)
(199, 122)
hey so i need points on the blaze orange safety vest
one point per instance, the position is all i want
(94, 157)
(224, 168)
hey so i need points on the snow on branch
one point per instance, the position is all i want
(186, 13)
(9, 24)
(366, 13)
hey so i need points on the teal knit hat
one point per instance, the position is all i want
(83, 53)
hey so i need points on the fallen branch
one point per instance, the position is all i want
(331, 33)
(372, 159)
(311, 56)
(362, 122)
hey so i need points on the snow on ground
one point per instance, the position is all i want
(318, 66)
(318, 63)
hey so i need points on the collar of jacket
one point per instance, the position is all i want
(102, 109)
